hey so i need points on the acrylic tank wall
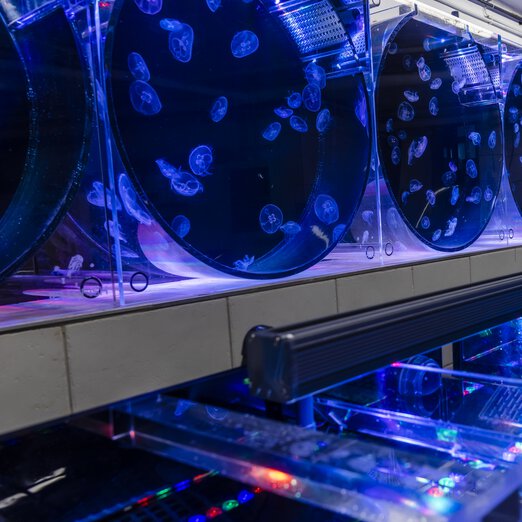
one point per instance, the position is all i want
(206, 146)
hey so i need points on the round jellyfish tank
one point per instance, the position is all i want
(43, 134)
(512, 124)
(439, 133)
(242, 132)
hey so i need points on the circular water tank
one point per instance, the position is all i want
(439, 134)
(246, 148)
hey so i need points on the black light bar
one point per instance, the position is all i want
(289, 363)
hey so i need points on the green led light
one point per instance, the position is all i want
(230, 504)
(247, 381)
(447, 435)
(163, 492)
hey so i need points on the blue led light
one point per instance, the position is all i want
(197, 518)
(244, 496)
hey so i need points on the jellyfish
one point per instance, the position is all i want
(137, 67)
(298, 124)
(181, 41)
(425, 222)
(312, 97)
(114, 231)
(406, 112)
(415, 185)
(488, 194)
(365, 237)
(323, 120)
(283, 112)
(516, 128)
(424, 70)
(411, 96)
(421, 62)
(452, 166)
(214, 5)
(181, 225)
(436, 84)
(475, 196)
(200, 160)
(457, 86)
(150, 7)
(417, 149)
(434, 106)
(326, 209)
(471, 169)
(389, 125)
(315, 74)
(431, 198)
(393, 141)
(436, 235)
(219, 109)
(338, 232)
(475, 138)
(294, 100)
(407, 62)
(171, 24)
(144, 98)
(516, 90)
(272, 131)
(455, 194)
(492, 140)
(404, 197)
(97, 198)
(403, 135)
(396, 155)
(270, 218)
(244, 44)
(244, 264)
(291, 228)
(361, 109)
(184, 183)
(517, 141)
(449, 178)
(451, 226)
(393, 48)
(130, 201)
(513, 114)
(367, 216)
(392, 218)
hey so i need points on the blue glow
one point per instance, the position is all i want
(406, 112)
(361, 108)
(244, 44)
(97, 197)
(411, 96)
(326, 209)
(434, 106)
(315, 74)
(130, 201)
(436, 235)
(475, 196)
(114, 231)
(455, 194)
(425, 222)
(294, 100)
(272, 131)
(291, 228)
(181, 40)
(417, 149)
(424, 70)
(149, 7)
(137, 67)
(492, 140)
(197, 518)
(298, 124)
(244, 264)
(475, 138)
(270, 218)
(283, 112)
(415, 185)
(144, 98)
(488, 194)
(184, 183)
(219, 109)
(431, 198)
(200, 160)
(338, 232)
(436, 84)
(323, 120)
(181, 226)
(244, 496)
(214, 5)
(396, 155)
(451, 226)
(312, 97)
(389, 125)
(404, 198)
(170, 24)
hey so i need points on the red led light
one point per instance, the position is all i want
(256, 491)
(214, 511)
(104, 4)
(435, 492)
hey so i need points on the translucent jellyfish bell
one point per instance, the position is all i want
(214, 5)
(451, 226)
(181, 226)
(452, 166)
(200, 160)
(149, 7)
(436, 235)
(144, 98)
(270, 218)
(393, 141)
(406, 112)
(393, 48)
(315, 74)
(367, 216)
(396, 155)
(492, 140)
(244, 44)
(326, 209)
(417, 149)
(312, 97)
(171, 24)
(404, 198)
(272, 131)
(244, 264)
(114, 231)
(98, 197)
(475, 138)
(361, 108)
(298, 124)
(415, 185)
(475, 196)
(431, 198)
(181, 41)
(434, 106)
(436, 84)
(182, 182)
(294, 100)
(219, 109)
(403, 135)
(283, 112)
(449, 178)
(471, 169)
(425, 222)
(389, 125)
(411, 96)
(137, 67)
(130, 201)
(291, 228)
(455, 194)
(407, 62)
(323, 120)
(488, 194)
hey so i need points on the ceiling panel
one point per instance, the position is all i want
(512, 5)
